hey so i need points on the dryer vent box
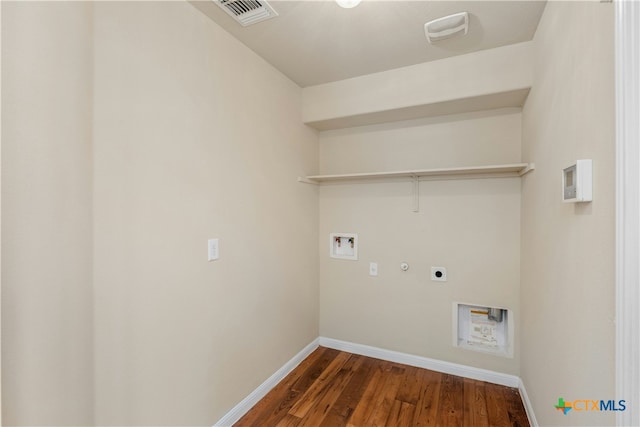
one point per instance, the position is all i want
(487, 329)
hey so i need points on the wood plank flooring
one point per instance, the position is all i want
(331, 388)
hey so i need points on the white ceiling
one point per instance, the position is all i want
(314, 42)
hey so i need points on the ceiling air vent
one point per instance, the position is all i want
(447, 27)
(247, 12)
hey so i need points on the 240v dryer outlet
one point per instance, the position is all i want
(438, 274)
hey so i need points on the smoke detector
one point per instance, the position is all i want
(447, 27)
(247, 12)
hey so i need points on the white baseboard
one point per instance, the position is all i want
(527, 405)
(249, 402)
(423, 362)
(392, 356)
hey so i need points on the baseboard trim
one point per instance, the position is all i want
(528, 407)
(249, 402)
(423, 362)
(392, 356)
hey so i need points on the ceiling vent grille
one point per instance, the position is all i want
(447, 27)
(247, 12)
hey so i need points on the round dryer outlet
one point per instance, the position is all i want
(438, 274)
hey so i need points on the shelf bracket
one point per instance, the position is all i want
(306, 181)
(416, 193)
(527, 169)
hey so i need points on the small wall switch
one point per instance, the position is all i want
(214, 252)
(373, 269)
(438, 274)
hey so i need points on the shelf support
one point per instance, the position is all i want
(416, 193)
(527, 169)
(306, 181)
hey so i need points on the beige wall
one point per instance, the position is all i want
(195, 137)
(475, 74)
(46, 214)
(471, 227)
(118, 174)
(568, 249)
(0, 217)
(153, 130)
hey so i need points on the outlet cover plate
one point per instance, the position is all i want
(213, 249)
(438, 274)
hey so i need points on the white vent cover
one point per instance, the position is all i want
(247, 12)
(447, 27)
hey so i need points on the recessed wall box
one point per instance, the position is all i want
(482, 328)
(577, 182)
(343, 246)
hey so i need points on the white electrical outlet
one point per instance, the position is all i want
(214, 250)
(373, 269)
(438, 274)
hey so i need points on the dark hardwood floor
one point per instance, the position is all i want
(331, 388)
